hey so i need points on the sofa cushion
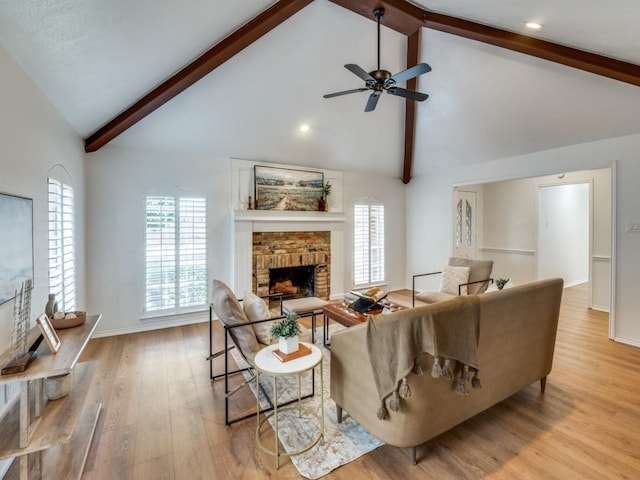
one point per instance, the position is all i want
(228, 310)
(452, 277)
(255, 308)
(478, 270)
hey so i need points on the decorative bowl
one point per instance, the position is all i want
(80, 318)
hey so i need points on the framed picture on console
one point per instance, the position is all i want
(287, 188)
(48, 332)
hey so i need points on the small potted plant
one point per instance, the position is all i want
(287, 331)
(322, 203)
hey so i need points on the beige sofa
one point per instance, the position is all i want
(516, 343)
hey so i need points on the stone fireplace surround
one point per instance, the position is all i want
(291, 249)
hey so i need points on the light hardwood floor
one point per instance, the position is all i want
(163, 418)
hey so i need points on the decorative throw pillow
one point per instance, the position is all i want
(228, 309)
(452, 277)
(478, 270)
(255, 308)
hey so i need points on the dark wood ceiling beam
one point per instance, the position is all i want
(406, 18)
(572, 57)
(413, 57)
(205, 64)
(399, 15)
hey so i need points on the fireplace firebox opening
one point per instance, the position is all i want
(293, 282)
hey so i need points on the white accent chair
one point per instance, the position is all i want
(242, 333)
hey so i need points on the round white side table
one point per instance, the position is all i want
(267, 364)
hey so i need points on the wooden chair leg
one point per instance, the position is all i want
(339, 413)
(221, 352)
(238, 387)
(543, 384)
(412, 455)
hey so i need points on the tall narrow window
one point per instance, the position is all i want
(62, 272)
(368, 252)
(176, 253)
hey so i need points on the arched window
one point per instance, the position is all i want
(368, 242)
(62, 257)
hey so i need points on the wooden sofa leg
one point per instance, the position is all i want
(543, 384)
(339, 413)
(412, 455)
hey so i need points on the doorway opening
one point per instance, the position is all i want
(525, 248)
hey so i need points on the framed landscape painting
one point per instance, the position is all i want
(287, 189)
(16, 244)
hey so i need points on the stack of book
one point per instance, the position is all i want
(367, 300)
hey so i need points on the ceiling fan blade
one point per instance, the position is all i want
(346, 92)
(410, 94)
(359, 71)
(372, 102)
(409, 73)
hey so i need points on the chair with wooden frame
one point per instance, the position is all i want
(239, 331)
(478, 281)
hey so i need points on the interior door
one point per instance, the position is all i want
(464, 224)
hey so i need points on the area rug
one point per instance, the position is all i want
(343, 442)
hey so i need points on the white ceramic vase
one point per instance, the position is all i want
(288, 345)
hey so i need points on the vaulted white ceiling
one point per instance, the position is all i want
(94, 58)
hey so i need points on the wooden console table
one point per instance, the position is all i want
(33, 424)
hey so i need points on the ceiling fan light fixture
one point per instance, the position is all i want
(378, 81)
(530, 24)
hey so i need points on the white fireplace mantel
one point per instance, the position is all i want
(245, 222)
(286, 216)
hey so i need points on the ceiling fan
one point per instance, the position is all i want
(382, 80)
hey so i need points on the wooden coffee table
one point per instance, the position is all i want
(341, 313)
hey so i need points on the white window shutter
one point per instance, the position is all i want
(368, 243)
(175, 253)
(62, 274)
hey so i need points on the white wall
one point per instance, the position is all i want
(33, 138)
(391, 192)
(118, 178)
(563, 232)
(509, 228)
(429, 211)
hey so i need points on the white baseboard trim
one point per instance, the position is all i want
(148, 326)
(627, 341)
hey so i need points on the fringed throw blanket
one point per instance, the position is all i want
(449, 331)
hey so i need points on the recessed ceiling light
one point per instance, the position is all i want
(304, 128)
(533, 25)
